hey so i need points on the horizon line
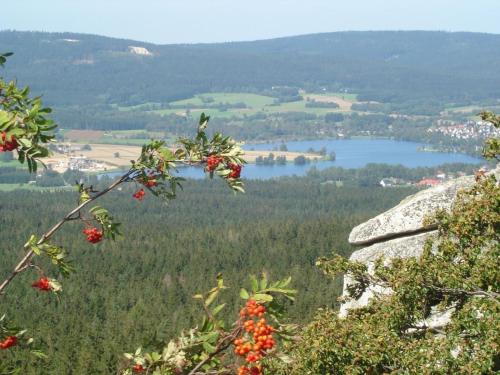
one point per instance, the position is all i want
(254, 40)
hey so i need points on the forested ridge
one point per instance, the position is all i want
(399, 67)
(128, 291)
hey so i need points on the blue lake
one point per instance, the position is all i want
(350, 153)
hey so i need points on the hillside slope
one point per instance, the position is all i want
(385, 66)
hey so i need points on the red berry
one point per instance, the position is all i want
(235, 170)
(8, 342)
(150, 181)
(138, 368)
(213, 162)
(43, 284)
(8, 145)
(93, 235)
(139, 194)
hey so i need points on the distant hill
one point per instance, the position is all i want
(397, 67)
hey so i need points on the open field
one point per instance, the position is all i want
(12, 187)
(471, 108)
(251, 100)
(119, 137)
(83, 135)
(213, 103)
(344, 101)
(113, 156)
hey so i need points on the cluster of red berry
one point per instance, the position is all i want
(255, 370)
(139, 194)
(138, 368)
(8, 342)
(93, 235)
(8, 145)
(42, 284)
(150, 182)
(259, 338)
(235, 170)
(213, 161)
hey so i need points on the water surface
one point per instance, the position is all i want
(350, 153)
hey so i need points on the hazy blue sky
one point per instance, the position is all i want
(180, 21)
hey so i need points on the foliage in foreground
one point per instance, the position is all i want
(206, 349)
(25, 131)
(458, 275)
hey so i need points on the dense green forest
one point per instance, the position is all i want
(409, 69)
(126, 292)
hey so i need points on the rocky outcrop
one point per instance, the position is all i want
(398, 248)
(400, 232)
(407, 217)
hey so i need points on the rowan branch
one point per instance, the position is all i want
(221, 346)
(25, 261)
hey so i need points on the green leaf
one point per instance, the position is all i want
(263, 297)
(254, 283)
(203, 122)
(244, 294)
(216, 310)
(263, 281)
(31, 241)
(211, 297)
(36, 250)
(167, 154)
(208, 347)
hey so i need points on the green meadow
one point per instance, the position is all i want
(218, 104)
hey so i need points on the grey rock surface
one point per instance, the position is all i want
(405, 247)
(400, 233)
(407, 217)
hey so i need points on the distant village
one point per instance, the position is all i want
(425, 182)
(436, 180)
(72, 161)
(466, 131)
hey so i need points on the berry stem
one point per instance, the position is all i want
(25, 261)
(222, 345)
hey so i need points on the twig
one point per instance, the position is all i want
(462, 292)
(25, 261)
(221, 346)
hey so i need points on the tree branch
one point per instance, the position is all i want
(221, 346)
(462, 292)
(25, 261)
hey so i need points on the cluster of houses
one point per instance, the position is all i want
(71, 161)
(438, 179)
(81, 163)
(76, 163)
(467, 130)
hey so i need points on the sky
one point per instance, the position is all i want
(200, 21)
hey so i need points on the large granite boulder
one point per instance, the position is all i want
(400, 232)
(405, 247)
(407, 217)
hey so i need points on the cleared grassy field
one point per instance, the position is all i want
(11, 187)
(208, 103)
(472, 108)
(118, 137)
(251, 100)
